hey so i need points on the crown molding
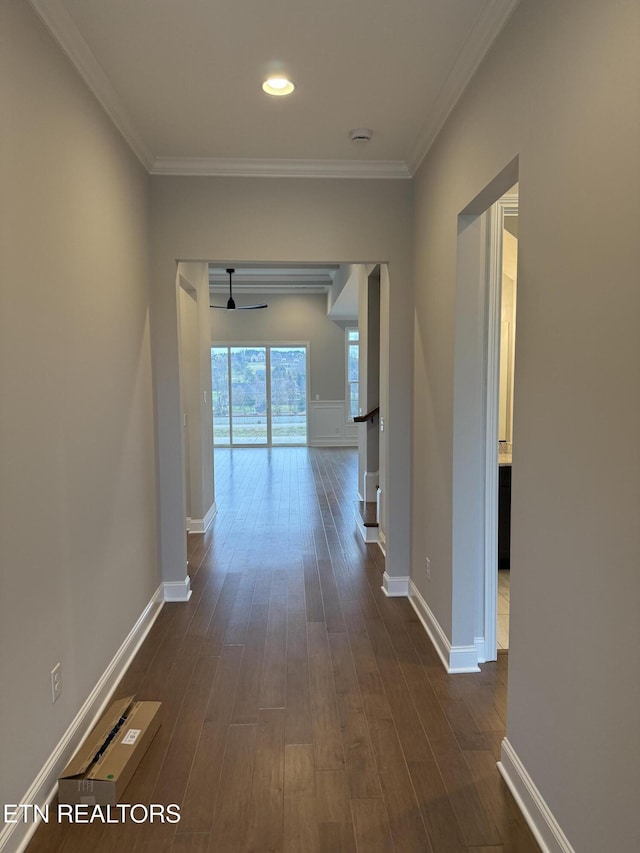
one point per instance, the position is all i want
(476, 47)
(282, 289)
(246, 167)
(61, 26)
(274, 275)
(57, 20)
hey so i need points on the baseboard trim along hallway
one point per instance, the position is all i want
(177, 590)
(15, 836)
(537, 813)
(201, 525)
(454, 658)
(304, 709)
(395, 587)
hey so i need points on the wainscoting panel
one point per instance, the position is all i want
(328, 425)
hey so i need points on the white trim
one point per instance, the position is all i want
(65, 32)
(493, 287)
(43, 788)
(480, 646)
(352, 326)
(338, 441)
(177, 590)
(369, 534)
(336, 432)
(454, 658)
(247, 167)
(507, 205)
(371, 481)
(463, 659)
(395, 587)
(201, 525)
(61, 26)
(483, 35)
(536, 812)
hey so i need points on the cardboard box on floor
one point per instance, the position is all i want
(102, 767)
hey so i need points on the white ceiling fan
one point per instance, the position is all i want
(231, 305)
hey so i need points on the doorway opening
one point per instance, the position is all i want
(504, 238)
(259, 395)
(476, 432)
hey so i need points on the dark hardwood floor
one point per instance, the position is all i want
(303, 710)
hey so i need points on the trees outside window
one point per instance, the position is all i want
(259, 394)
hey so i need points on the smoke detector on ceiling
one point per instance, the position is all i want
(361, 134)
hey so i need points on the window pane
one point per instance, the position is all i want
(354, 353)
(353, 358)
(288, 395)
(249, 395)
(353, 399)
(220, 394)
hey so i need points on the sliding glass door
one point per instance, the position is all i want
(288, 395)
(220, 395)
(259, 394)
(248, 395)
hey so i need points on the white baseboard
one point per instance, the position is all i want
(330, 441)
(370, 484)
(201, 525)
(177, 590)
(536, 812)
(15, 836)
(454, 658)
(369, 534)
(395, 587)
(480, 649)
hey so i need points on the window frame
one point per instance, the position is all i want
(349, 382)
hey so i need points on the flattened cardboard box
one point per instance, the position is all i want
(102, 767)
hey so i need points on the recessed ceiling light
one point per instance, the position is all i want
(278, 86)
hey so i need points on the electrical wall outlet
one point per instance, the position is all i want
(56, 682)
(427, 568)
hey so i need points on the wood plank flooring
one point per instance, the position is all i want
(303, 711)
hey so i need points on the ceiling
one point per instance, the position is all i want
(289, 279)
(182, 78)
(265, 278)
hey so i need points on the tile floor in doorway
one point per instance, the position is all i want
(504, 580)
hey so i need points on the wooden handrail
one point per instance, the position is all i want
(369, 416)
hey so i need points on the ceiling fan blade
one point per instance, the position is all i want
(231, 305)
(239, 307)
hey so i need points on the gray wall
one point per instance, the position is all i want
(276, 220)
(559, 89)
(77, 488)
(289, 318)
(77, 484)
(192, 283)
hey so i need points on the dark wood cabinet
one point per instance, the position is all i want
(504, 517)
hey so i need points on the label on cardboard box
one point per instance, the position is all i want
(131, 736)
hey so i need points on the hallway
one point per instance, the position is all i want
(303, 710)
